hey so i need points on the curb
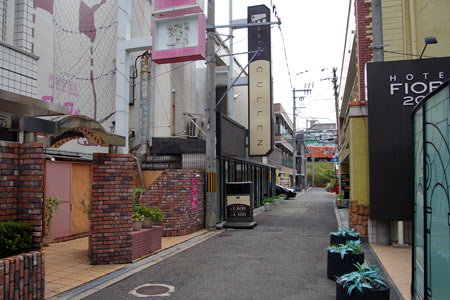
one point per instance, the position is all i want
(95, 285)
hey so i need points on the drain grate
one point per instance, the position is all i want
(272, 230)
(149, 290)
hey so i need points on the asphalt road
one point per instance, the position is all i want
(284, 257)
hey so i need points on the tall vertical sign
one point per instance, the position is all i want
(260, 84)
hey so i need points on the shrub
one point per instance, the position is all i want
(365, 277)
(352, 247)
(143, 210)
(346, 232)
(156, 214)
(15, 238)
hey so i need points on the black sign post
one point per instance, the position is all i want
(239, 205)
(393, 89)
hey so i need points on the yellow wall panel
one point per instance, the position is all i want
(81, 189)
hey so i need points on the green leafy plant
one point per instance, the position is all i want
(86, 208)
(143, 210)
(365, 276)
(268, 200)
(137, 217)
(156, 214)
(51, 203)
(340, 196)
(346, 232)
(15, 238)
(281, 196)
(137, 193)
(351, 247)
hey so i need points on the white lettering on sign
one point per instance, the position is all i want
(413, 88)
(260, 108)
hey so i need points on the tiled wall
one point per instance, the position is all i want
(3, 7)
(17, 71)
(18, 65)
(23, 29)
(407, 232)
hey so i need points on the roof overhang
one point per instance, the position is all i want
(23, 105)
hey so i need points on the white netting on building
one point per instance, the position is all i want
(85, 37)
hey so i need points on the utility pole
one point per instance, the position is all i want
(336, 102)
(211, 124)
(313, 169)
(294, 143)
(294, 167)
(231, 66)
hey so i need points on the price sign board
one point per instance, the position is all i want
(239, 205)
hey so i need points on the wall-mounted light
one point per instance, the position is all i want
(131, 134)
(428, 40)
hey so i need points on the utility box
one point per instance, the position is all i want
(239, 198)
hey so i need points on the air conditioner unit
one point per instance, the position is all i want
(5, 121)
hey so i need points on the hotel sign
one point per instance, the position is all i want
(260, 84)
(393, 89)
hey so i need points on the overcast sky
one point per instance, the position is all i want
(314, 33)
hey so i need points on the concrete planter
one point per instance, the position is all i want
(148, 222)
(277, 202)
(137, 225)
(267, 206)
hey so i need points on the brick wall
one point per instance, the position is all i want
(9, 180)
(358, 217)
(22, 276)
(31, 188)
(171, 192)
(364, 39)
(111, 204)
(146, 241)
(22, 185)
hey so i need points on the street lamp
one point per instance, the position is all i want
(428, 40)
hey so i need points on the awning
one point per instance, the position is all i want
(23, 105)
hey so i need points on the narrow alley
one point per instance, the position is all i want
(284, 257)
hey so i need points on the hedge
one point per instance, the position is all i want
(15, 238)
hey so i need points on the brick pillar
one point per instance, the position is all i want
(31, 190)
(9, 180)
(111, 224)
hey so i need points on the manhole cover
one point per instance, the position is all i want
(149, 290)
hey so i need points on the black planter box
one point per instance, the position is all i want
(381, 294)
(338, 239)
(336, 266)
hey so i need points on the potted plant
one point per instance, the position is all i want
(343, 235)
(51, 203)
(342, 258)
(276, 200)
(137, 221)
(365, 283)
(156, 214)
(340, 201)
(145, 211)
(267, 203)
